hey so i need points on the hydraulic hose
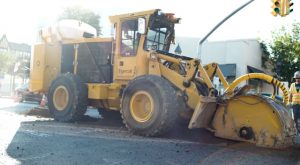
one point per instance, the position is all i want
(261, 76)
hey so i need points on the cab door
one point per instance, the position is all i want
(126, 49)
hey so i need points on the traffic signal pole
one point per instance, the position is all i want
(218, 25)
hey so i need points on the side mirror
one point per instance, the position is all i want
(142, 25)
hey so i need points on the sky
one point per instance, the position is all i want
(20, 20)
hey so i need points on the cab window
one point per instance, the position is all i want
(130, 37)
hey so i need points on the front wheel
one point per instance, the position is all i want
(67, 98)
(149, 106)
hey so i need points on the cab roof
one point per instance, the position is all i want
(116, 18)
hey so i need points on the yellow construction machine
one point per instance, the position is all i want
(134, 73)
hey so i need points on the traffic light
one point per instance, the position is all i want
(282, 7)
(288, 5)
(276, 7)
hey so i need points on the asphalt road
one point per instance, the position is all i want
(29, 136)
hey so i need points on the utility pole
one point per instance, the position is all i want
(217, 26)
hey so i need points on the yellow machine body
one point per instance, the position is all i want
(45, 66)
(241, 117)
(254, 119)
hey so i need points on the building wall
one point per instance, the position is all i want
(188, 46)
(243, 53)
(239, 52)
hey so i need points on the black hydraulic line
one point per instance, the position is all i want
(220, 23)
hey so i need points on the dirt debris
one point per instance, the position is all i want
(39, 112)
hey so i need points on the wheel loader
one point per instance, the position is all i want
(134, 73)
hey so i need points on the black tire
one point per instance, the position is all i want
(184, 112)
(75, 106)
(165, 111)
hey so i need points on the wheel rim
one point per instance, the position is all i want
(141, 106)
(60, 98)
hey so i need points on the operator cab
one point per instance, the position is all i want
(161, 31)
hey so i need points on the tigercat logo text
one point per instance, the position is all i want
(125, 71)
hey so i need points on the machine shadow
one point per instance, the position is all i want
(113, 120)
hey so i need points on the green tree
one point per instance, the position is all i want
(83, 15)
(7, 62)
(284, 52)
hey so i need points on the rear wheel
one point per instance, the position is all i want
(149, 106)
(67, 98)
